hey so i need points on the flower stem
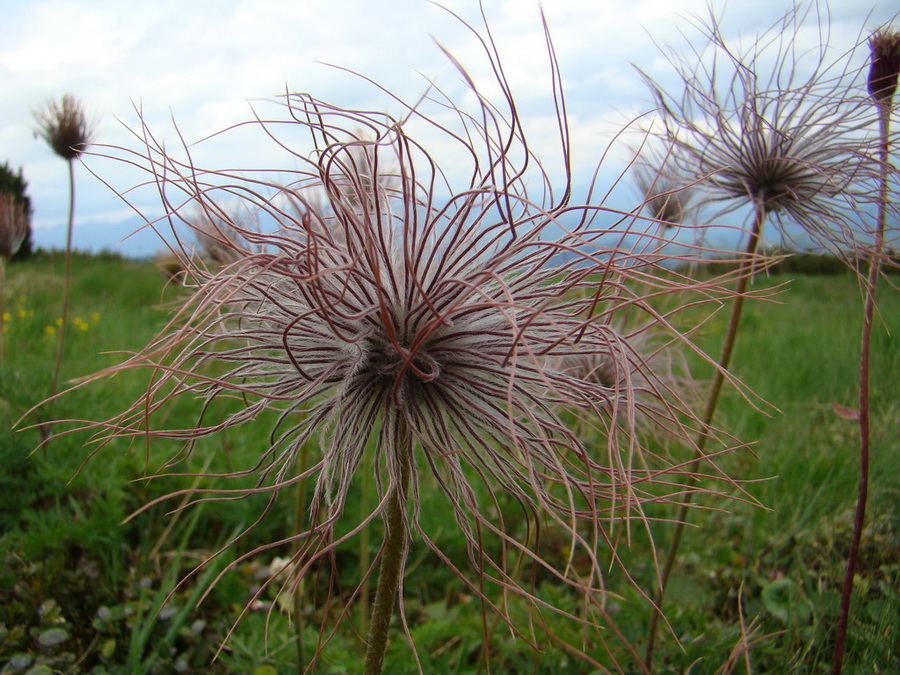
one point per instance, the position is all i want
(393, 556)
(864, 360)
(67, 282)
(734, 321)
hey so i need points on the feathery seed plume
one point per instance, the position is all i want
(408, 325)
(774, 125)
(64, 126)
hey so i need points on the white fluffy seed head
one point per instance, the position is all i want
(393, 315)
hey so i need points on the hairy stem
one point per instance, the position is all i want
(709, 412)
(393, 556)
(864, 360)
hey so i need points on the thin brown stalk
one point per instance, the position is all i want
(67, 282)
(864, 409)
(709, 412)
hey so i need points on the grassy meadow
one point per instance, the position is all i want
(82, 586)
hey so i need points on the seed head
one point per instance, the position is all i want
(768, 128)
(215, 233)
(65, 127)
(621, 368)
(394, 318)
(666, 199)
(885, 65)
(443, 315)
(13, 224)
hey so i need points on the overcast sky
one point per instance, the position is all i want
(203, 63)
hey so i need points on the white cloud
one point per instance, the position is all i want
(203, 62)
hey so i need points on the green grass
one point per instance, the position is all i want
(801, 355)
(81, 587)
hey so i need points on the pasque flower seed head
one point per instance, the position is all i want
(402, 322)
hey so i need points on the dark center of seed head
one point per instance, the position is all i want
(386, 359)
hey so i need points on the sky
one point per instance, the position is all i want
(195, 68)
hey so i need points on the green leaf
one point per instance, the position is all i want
(53, 637)
(785, 600)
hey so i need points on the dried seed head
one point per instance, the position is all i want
(620, 369)
(65, 127)
(667, 199)
(217, 231)
(885, 67)
(397, 314)
(13, 225)
(772, 126)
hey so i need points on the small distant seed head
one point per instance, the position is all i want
(65, 127)
(13, 225)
